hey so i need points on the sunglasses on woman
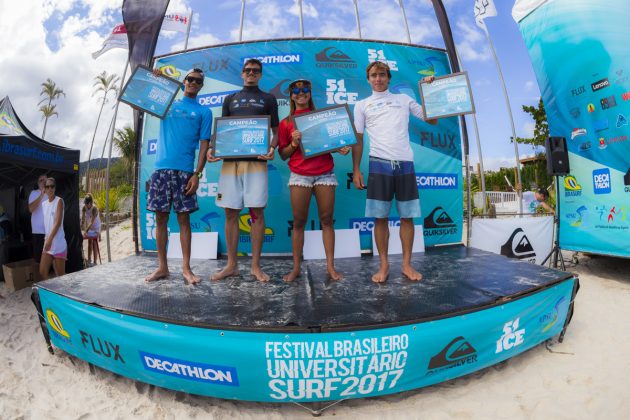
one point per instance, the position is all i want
(297, 91)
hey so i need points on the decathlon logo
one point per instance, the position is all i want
(429, 181)
(152, 147)
(601, 181)
(365, 225)
(600, 84)
(518, 246)
(194, 371)
(571, 187)
(458, 352)
(57, 327)
(214, 99)
(331, 57)
(512, 336)
(282, 58)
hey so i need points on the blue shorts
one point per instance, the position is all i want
(166, 188)
(389, 179)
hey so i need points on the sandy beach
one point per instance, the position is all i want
(585, 377)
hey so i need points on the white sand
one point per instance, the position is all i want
(588, 380)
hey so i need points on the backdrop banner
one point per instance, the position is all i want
(337, 71)
(524, 238)
(579, 50)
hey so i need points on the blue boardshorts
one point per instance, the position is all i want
(389, 179)
(166, 189)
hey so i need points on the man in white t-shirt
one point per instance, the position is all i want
(385, 118)
(37, 217)
(533, 199)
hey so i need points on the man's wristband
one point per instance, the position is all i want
(199, 174)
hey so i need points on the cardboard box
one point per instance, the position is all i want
(21, 274)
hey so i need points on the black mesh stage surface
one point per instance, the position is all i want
(456, 280)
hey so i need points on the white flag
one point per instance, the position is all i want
(484, 9)
(117, 39)
(177, 22)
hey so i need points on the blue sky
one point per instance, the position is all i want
(56, 38)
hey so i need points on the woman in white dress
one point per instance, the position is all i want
(55, 247)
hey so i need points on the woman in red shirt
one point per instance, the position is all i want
(308, 176)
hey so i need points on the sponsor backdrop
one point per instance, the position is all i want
(337, 70)
(524, 238)
(283, 367)
(579, 49)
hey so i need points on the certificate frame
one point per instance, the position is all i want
(143, 84)
(228, 129)
(318, 137)
(447, 96)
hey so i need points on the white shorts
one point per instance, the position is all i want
(243, 184)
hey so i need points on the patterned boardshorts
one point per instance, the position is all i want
(166, 188)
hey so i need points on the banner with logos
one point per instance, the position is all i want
(579, 50)
(337, 71)
(304, 367)
(523, 238)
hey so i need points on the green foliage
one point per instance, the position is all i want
(125, 189)
(125, 142)
(541, 128)
(50, 92)
(116, 196)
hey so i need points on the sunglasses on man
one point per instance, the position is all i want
(197, 80)
(297, 91)
(252, 70)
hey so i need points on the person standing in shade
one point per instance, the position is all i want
(175, 181)
(308, 177)
(55, 250)
(35, 200)
(244, 182)
(385, 118)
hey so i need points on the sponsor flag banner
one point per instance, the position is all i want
(583, 70)
(336, 70)
(524, 238)
(176, 22)
(304, 367)
(484, 9)
(143, 19)
(117, 39)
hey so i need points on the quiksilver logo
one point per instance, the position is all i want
(518, 246)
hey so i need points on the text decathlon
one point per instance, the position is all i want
(214, 99)
(282, 58)
(365, 225)
(436, 181)
(223, 375)
(326, 114)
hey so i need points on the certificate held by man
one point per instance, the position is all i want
(447, 96)
(149, 92)
(325, 130)
(241, 137)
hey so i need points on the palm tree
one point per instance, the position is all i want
(50, 91)
(104, 83)
(125, 142)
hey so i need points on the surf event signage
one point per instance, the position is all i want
(304, 367)
(580, 55)
(337, 70)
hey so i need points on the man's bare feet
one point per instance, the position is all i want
(409, 272)
(259, 274)
(190, 277)
(228, 271)
(295, 273)
(158, 274)
(334, 274)
(381, 275)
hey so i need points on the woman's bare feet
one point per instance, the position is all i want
(228, 271)
(190, 277)
(334, 274)
(158, 274)
(295, 273)
(259, 274)
(409, 272)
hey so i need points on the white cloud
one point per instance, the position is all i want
(473, 46)
(530, 85)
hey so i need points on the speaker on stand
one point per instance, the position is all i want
(557, 165)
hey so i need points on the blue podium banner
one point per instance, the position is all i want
(447, 96)
(583, 70)
(238, 137)
(277, 366)
(325, 130)
(336, 69)
(150, 93)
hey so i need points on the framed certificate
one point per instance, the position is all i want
(325, 130)
(447, 96)
(240, 137)
(150, 93)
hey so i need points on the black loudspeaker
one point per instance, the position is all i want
(557, 156)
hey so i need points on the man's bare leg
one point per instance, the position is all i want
(161, 235)
(325, 196)
(183, 219)
(406, 239)
(257, 235)
(231, 241)
(381, 237)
